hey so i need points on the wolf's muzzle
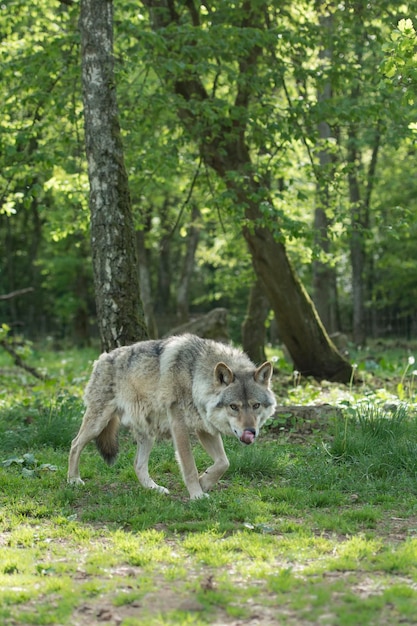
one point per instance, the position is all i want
(248, 436)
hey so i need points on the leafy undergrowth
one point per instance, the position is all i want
(311, 525)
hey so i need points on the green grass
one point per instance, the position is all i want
(323, 531)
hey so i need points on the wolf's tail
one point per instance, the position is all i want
(107, 441)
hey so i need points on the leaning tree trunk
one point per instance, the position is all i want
(119, 311)
(223, 147)
(300, 327)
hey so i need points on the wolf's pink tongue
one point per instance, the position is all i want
(247, 436)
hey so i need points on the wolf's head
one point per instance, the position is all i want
(244, 400)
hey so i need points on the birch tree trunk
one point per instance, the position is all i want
(119, 311)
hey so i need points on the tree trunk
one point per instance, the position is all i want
(300, 327)
(212, 325)
(360, 204)
(253, 327)
(187, 268)
(145, 285)
(119, 311)
(357, 243)
(223, 147)
(324, 275)
(163, 290)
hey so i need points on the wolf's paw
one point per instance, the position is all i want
(160, 489)
(199, 496)
(75, 481)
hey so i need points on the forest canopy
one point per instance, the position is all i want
(323, 96)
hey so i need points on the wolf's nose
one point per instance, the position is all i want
(251, 430)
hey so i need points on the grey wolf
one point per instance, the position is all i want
(174, 387)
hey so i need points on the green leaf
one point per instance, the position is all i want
(406, 26)
(28, 473)
(29, 459)
(13, 459)
(48, 466)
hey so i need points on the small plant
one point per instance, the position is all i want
(400, 387)
(29, 465)
(381, 423)
(379, 440)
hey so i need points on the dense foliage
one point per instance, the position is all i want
(330, 128)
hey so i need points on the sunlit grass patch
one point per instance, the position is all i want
(170, 618)
(282, 581)
(400, 559)
(351, 554)
(144, 548)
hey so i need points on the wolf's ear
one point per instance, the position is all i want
(263, 374)
(223, 374)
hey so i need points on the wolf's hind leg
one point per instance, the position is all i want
(93, 424)
(145, 445)
(213, 445)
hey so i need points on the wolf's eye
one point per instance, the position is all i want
(256, 406)
(234, 407)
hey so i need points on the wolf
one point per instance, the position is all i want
(174, 387)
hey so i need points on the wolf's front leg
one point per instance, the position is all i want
(145, 445)
(213, 445)
(185, 456)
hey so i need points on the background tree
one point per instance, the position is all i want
(253, 327)
(222, 128)
(345, 129)
(44, 216)
(323, 269)
(119, 311)
(40, 205)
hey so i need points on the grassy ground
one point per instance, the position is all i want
(316, 528)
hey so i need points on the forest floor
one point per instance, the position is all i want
(314, 524)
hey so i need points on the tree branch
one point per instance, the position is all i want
(20, 362)
(18, 292)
